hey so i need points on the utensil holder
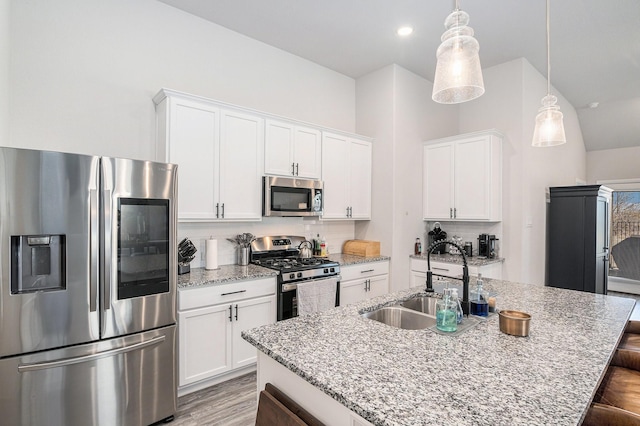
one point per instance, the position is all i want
(243, 256)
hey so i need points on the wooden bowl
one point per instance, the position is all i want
(515, 323)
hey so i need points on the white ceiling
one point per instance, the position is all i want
(595, 44)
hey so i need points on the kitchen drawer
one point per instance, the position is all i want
(197, 297)
(363, 270)
(442, 268)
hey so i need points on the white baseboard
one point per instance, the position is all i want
(623, 285)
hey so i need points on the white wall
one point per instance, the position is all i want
(83, 75)
(394, 106)
(5, 34)
(374, 117)
(510, 103)
(610, 164)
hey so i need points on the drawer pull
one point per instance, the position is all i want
(367, 270)
(440, 269)
(233, 292)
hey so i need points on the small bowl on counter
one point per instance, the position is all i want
(515, 323)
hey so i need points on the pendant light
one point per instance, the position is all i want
(549, 130)
(458, 75)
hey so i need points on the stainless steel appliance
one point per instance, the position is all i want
(291, 197)
(87, 289)
(282, 254)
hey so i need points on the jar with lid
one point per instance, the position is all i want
(479, 299)
(417, 247)
(446, 313)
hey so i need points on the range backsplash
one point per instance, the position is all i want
(335, 233)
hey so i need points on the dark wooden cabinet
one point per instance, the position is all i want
(578, 238)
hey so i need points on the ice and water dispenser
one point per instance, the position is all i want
(37, 263)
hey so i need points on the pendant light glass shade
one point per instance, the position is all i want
(549, 130)
(458, 75)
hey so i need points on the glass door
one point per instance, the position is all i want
(143, 247)
(624, 265)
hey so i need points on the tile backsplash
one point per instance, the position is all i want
(468, 231)
(335, 233)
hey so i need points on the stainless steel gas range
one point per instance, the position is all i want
(282, 253)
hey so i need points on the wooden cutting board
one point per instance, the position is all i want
(364, 248)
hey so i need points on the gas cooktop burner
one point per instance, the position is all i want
(292, 262)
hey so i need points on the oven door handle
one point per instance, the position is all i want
(293, 286)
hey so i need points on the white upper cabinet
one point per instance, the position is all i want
(462, 178)
(346, 173)
(241, 159)
(292, 150)
(219, 152)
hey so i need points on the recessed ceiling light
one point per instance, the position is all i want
(404, 31)
(594, 105)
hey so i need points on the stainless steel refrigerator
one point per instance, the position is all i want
(87, 289)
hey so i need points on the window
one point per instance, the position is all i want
(625, 235)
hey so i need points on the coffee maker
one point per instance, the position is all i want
(437, 234)
(487, 245)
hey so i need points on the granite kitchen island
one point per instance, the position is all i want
(339, 362)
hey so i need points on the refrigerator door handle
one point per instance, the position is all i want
(94, 237)
(23, 368)
(108, 220)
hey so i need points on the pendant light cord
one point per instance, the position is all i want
(548, 54)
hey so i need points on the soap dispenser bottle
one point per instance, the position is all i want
(479, 300)
(446, 313)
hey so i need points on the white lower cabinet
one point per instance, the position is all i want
(363, 281)
(210, 320)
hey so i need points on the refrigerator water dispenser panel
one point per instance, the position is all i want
(37, 263)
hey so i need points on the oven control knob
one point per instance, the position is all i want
(333, 269)
(326, 271)
(292, 276)
(299, 274)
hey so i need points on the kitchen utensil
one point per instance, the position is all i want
(242, 240)
(515, 323)
(305, 249)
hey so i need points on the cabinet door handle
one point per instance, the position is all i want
(368, 285)
(297, 174)
(230, 313)
(450, 213)
(368, 270)
(217, 210)
(233, 292)
(365, 285)
(347, 211)
(236, 312)
(223, 210)
(293, 169)
(455, 212)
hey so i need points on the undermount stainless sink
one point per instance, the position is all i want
(417, 314)
(399, 317)
(423, 304)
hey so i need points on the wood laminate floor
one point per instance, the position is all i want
(232, 403)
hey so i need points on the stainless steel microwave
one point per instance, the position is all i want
(291, 197)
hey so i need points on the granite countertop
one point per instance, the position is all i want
(396, 377)
(199, 277)
(452, 258)
(350, 259)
